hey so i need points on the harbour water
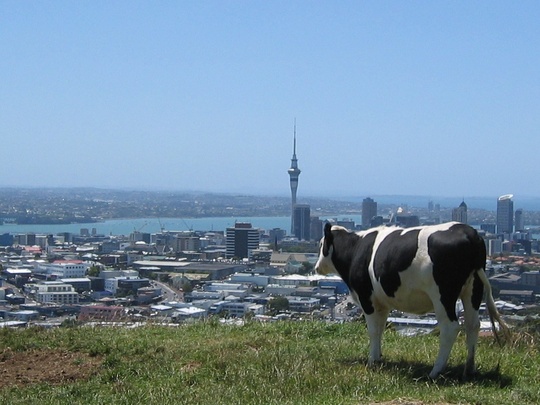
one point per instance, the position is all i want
(153, 225)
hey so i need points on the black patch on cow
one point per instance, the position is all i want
(351, 257)
(328, 238)
(394, 254)
(455, 254)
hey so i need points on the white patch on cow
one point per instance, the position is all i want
(417, 284)
(324, 263)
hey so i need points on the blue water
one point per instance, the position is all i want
(153, 225)
(150, 225)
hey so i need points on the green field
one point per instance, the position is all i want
(276, 363)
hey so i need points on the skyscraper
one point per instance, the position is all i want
(302, 221)
(294, 173)
(519, 220)
(505, 214)
(241, 240)
(369, 210)
(460, 213)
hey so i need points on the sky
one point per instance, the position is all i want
(389, 97)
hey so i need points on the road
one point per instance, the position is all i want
(168, 293)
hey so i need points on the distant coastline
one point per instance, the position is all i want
(120, 212)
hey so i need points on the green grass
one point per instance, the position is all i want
(278, 363)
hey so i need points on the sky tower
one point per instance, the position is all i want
(294, 173)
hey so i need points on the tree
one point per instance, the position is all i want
(93, 271)
(306, 268)
(278, 304)
(186, 286)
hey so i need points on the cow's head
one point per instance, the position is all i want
(324, 264)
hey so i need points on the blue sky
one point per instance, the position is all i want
(406, 98)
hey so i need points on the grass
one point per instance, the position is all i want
(278, 363)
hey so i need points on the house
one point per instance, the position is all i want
(532, 280)
(522, 296)
(107, 313)
(23, 315)
(303, 304)
(291, 261)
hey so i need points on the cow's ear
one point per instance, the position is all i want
(328, 238)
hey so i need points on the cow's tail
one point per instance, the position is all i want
(494, 315)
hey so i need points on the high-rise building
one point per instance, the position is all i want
(369, 210)
(460, 213)
(294, 173)
(488, 228)
(302, 222)
(317, 226)
(241, 240)
(505, 214)
(519, 220)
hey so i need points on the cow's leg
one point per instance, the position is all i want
(472, 327)
(472, 324)
(448, 332)
(376, 322)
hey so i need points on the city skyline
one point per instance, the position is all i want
(390, 98)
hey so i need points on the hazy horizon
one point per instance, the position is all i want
(527, 202)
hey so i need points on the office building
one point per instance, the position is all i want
(519, 220)
(369, 210)
(488, 228)
(182, 242)
(64, 268)
(56, 292)
(138, 236)
(317, 226)
(241, 240)
(460, 213)
(301, 221)
(276, 234)
(505, 214)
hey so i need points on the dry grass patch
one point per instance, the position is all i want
(45, 366)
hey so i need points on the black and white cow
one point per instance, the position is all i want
(415, 270)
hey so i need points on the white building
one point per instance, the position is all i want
(296, 280)
(118, 273)
(240, 309)
(250, 278)
(181, 314)
(64, 268)
(494, 247)
(303, 304)
(111, 284)
(57, 292)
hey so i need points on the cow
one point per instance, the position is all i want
(415, 270)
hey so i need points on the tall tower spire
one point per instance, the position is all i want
(294, 173)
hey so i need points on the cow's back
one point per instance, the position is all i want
(408, 266)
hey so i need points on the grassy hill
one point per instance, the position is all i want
(278, 363)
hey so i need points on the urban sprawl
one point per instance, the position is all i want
(178, 276)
